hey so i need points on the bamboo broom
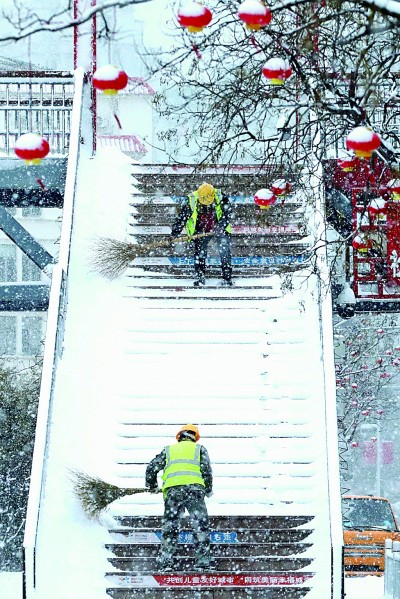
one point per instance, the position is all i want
(111, 257)
(95, 495)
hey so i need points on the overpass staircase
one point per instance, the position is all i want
(239, 362)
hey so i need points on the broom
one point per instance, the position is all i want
(111, 257)
(95, 494)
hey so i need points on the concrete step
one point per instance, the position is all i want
(231, 550)
(221, 523)
(283, 536)
(266, 585)
(140, 566)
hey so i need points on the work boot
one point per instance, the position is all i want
(227, 282)
(205, 565)
(200, 282)
(165, 565)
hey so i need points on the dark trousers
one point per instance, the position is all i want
(177, 500)
(200, 254)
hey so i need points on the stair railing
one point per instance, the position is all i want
(53, 346)
(326, 332)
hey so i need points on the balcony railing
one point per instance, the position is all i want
(37, 102)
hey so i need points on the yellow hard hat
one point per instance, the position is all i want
(190, 428)
(206, 194)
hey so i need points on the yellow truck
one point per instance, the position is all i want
(367, 522)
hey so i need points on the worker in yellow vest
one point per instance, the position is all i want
(187, 480)
(207, 211)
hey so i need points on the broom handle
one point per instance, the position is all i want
(140, 490)
(165, 243)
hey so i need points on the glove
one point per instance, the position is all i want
(209, 494)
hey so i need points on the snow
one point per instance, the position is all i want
(107, 72)
(361, 134)
(264, 194)
(192, 9)
(370, 587)
(252, 7)
(277, 64)
(29, 141)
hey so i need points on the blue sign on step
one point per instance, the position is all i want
(216, 536)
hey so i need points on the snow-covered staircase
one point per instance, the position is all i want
(244, 364)
(143, 355)
(245, 375)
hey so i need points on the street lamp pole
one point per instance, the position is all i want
(378, 458)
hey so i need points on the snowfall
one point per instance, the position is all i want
(11, 582)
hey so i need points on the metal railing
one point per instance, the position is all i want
(392, 569)
(53, 348)
(36, 102)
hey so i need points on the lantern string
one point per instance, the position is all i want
(42, 185)
(255, 43)
(196, 51)
(118, 121)
(114, 102)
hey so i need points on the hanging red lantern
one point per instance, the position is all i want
(255, 14)
(363, 142)
(377, 208)
(360, 244)
(394, 188)
(194, 16)
(32, 148)
(264, 198)
(110, 79)
(280, 187)
(348, 163)
(277, 70)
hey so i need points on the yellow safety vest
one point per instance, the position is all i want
(193, 201)
(182, 465)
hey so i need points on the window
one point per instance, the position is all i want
(32, 335)
(30, 272)
(8, 262)
(8, 335)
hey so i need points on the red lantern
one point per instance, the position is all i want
(255, 14)
(264, 198)
(377, 208)
(394, 188)
(110, 79)
(363, 142)
(280, 187)
(277, 70)
(31, 147)
(360, 244)
(194, 16)
(348, 163)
